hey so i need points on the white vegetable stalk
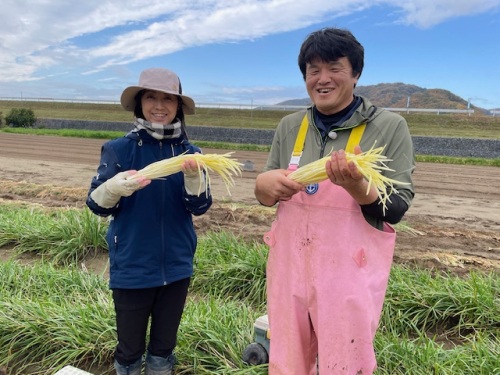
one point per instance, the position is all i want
(371, 164)
(223, 165)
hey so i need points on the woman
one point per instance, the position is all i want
(151, 236)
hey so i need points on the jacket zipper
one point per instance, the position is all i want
(162, 226)
(163, 197)
(324, 140)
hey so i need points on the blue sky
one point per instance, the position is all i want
(242, 52)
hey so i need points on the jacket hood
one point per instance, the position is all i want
(367, 112)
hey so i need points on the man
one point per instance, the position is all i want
(331, 244)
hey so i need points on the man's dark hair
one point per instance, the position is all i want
(330, 44)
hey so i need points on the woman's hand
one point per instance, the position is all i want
(190, 167)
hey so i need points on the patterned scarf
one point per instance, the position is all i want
(159, 131)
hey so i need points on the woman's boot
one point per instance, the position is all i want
(133, 369)
(159, 365)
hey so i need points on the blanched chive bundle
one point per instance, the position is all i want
(370, 163)
(222, 164)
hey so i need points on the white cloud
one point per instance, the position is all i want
(40, 37)
(137, 31)
(427, 13)
(241, 20)
(249, 95)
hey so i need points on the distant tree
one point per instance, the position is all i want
(21, 118)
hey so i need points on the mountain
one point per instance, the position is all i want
(395, 95)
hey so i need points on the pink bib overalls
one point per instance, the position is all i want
(327, 274)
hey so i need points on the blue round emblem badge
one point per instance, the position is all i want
(312, 188)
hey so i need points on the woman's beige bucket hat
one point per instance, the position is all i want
(157, 79)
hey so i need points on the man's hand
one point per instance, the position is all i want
(109, 193)
(273, 186)
(345, 174)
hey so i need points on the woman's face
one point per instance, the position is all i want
(159, 107)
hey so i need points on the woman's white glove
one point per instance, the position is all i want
(194, 179)
(194, 185)
(109, 193)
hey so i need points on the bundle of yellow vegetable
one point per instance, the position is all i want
(370, 164)
(221, 164)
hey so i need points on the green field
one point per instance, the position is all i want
(444, 125)
(54, 312)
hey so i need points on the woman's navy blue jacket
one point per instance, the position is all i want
(151, 236)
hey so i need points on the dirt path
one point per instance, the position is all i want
(455, 218)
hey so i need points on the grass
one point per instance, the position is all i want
(425, 356)
(424, 124)
(442, 303)
(231, 269)
(64, 236)
(41, 332)
(234, 146)
(52, 316)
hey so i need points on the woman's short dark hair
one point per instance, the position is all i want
(138, 107)
(138, 104)
(330, 44)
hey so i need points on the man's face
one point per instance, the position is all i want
(330, 85)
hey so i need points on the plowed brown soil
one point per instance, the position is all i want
(454, 223)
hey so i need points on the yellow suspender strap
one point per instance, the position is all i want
(354, 139)
(299, 144)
